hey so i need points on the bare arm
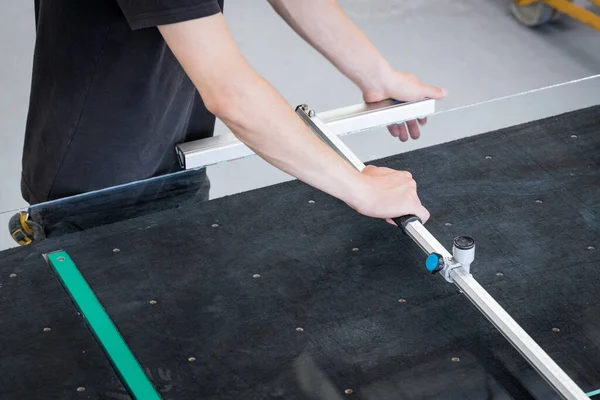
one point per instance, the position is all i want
(261, 118)
(325, 26)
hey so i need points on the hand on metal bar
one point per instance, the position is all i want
(389, 192)
(405, 87)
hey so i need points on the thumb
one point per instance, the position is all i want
(423, 214)
(433, 92)
(420, 212)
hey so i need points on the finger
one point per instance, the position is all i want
(422, 213)
(422, 121)
(391, 221)
(413, 129)
(402, 133)
(394, 131)
(433, 92)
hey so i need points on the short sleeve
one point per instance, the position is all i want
(148, 13)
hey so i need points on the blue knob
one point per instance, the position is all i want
(434, 263)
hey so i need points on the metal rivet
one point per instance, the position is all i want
(47, 329)
(348, 391)
(355, 249)
(499, 274)
(256, 276)
(298, 329)
(591, 248)
(555, 330)
(488, 157)
(539, 201)
(116, 250)
(215, 225)
(448, 224)
(460, 291)
(573, 136)
(152, 301)
(191, 359)
(455, 359)
(12, 276)
(311, 202)
(81, 389)
(402, 301)
(60, 259)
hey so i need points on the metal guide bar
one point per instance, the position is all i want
(223, 148)
(124, 362)
(359, 117)
(516, 335)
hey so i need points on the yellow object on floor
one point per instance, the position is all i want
(538, 12)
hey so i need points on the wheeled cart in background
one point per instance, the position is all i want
(538, 12)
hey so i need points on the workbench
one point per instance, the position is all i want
(284, 292)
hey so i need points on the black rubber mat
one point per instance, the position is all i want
(286, 293)
(46, 351)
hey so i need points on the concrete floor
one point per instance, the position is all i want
(473, 48)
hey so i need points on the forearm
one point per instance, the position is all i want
(325, 26)
(253, 109)
(261, 118)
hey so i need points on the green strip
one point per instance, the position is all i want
(132, 375)
(594, 393)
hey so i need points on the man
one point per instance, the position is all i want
(117, 83)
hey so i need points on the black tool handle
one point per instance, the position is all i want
(403, 221)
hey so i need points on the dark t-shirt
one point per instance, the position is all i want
(109, 101)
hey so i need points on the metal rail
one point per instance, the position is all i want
(459, 275)
(343, 121)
